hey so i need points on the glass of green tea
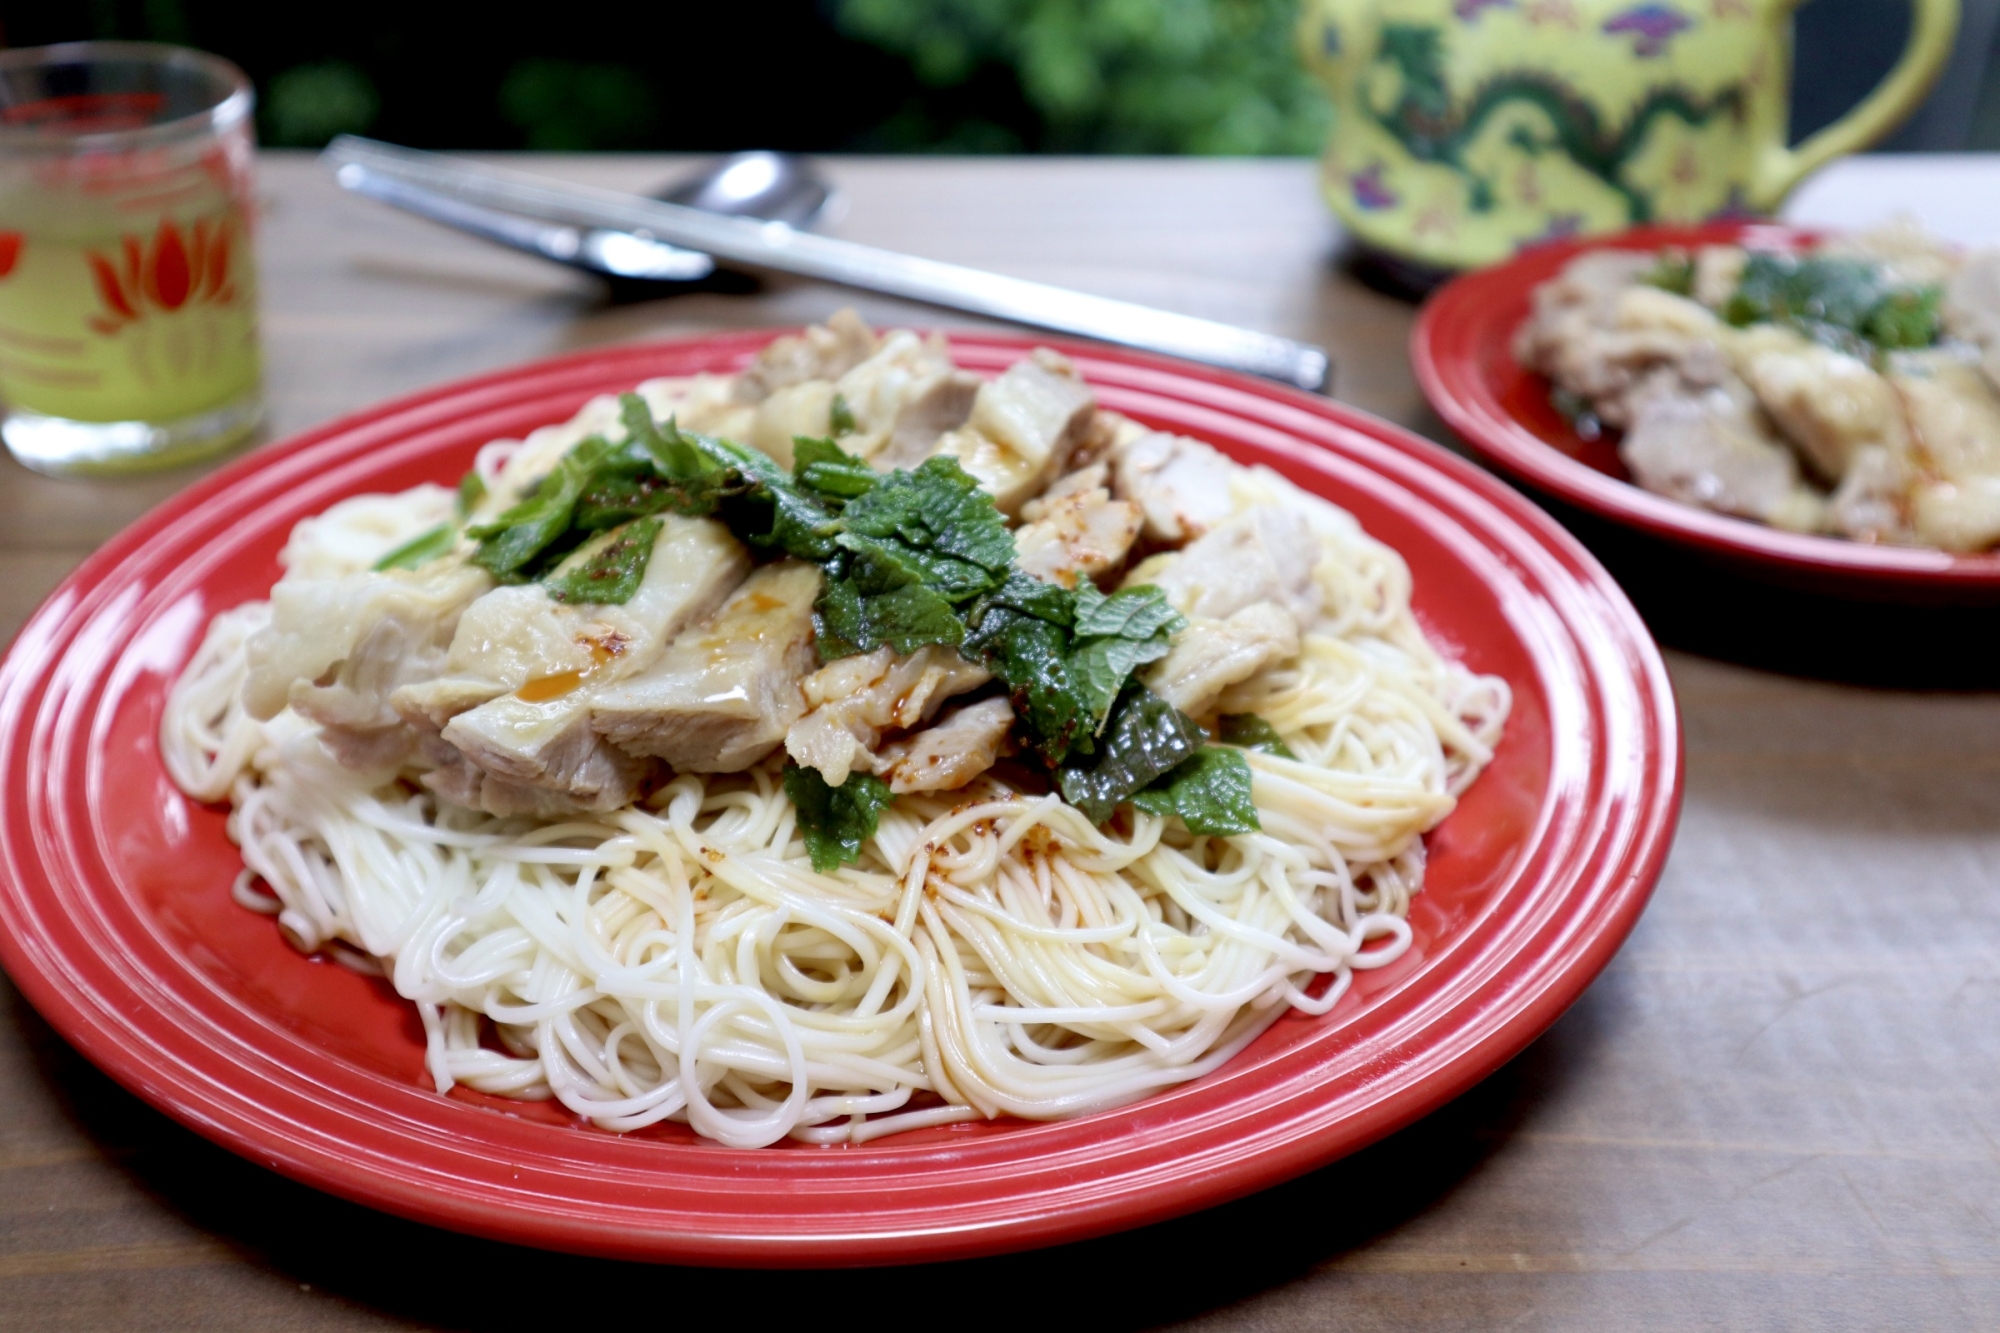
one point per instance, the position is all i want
(128, 290)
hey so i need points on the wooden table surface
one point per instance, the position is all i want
(1778, 1108)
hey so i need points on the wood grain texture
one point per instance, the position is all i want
(1779, 1108)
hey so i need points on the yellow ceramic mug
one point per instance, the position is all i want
(1465, 129)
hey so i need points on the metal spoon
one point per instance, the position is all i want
(770, 187)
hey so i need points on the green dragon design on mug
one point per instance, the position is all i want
(1430, 129)
(1464, 129)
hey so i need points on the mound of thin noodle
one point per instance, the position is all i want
(993, 952)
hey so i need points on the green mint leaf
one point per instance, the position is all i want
(1135, 613)
(471, 490)
(1020, 632)
(940, 509)
(874, 597)
(1030, 656)
(841, 417)
(1030, 596)
(1115, 636)
(954, 579)
(764, 505)
(824, 467)
(1210, 792)
(1145, 739)
(421, 549)
(1252, 733)
(1100, 668)
(835, 820)
(608, 573)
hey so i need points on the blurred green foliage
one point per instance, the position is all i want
(570, 106)
(307, 105)
(1112, 76)
(1075, 76)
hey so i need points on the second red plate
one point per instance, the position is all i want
(1462, 352)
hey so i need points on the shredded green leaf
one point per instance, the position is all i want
(421, 549)
(840, 417)
(677, 456)
(513, 540)
(1673, 272)
(1021, 634)
(471, 490)
(766, 507)
(835, 820)
(1252, 733)
(609, 571)
(1851, 305)
(831, 472)
(1905, 319)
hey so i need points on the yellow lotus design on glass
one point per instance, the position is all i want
(1465, 129)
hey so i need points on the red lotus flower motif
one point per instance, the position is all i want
(174, 271)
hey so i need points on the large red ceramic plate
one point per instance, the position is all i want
(116, 919)
(1461, 349)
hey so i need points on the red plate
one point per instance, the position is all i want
(116, 919)
(1461, 349)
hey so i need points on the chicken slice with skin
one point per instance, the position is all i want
(517, 635)
(1971, 308)
(1267, 553)
(1603, 335)
(1023, 429)
(1954, 501)
(853, 701)
(338, 650)
(724, 695)
(797, 409)
(519, 710)
(901, 398)
(1211, 655)
(1077, 534)
(906, 375)
(1829, 404)
(1181, 486)
(1711, 450)
(1872, 500)
(522, 754)
(961, 745)
(823, 352)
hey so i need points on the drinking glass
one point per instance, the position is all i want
(128, 290)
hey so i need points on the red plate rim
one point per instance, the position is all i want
(77, 943)
(1472, 319)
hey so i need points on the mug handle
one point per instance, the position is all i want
(1933, 23)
